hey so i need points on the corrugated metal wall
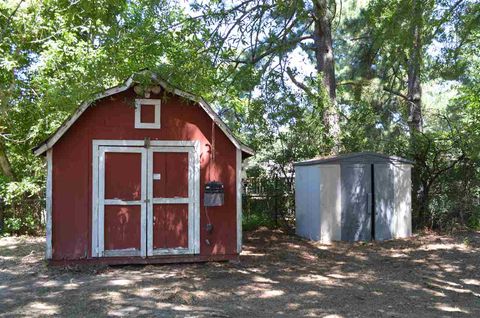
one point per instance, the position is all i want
(403, 200)
(385, 220)
(307, 200)
(330, 200)
(337, 199)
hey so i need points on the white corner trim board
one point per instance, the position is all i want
(239, 199)
(138, 113)
(48, 253)
(47, 144)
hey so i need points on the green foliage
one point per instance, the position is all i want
(25, 224)
(55, 54)
(374, 92)
(246, 58)
(256, 219)
(25, 212)
(25, 188)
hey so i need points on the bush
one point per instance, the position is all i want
(256, 219)
(23, 207)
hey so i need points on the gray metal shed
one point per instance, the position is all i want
(353, 197)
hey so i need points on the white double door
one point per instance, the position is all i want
(146, 199)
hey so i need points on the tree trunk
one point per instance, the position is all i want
(1, 215)
(5, 163)
(6, 170)
(421, 204)
(414, 86)
(414, 95)
(325, 65)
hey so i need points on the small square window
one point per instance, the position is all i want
(147, 113)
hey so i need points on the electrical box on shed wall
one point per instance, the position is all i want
(214, 194)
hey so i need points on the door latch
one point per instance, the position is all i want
(146, 142)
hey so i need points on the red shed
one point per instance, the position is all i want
(131, 176)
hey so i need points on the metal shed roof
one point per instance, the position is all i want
(355, 157)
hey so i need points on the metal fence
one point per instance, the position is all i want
(271, 199)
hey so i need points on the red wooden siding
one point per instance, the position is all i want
(113, 118)
(147, 113)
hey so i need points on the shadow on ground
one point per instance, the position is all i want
(279, 275)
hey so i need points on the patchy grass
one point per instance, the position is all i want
(253, 221)
(279, 275)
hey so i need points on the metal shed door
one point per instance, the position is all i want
(356, 220)
(385, 220)
(171, 196)
(122, 201)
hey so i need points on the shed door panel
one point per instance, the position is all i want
(170, 226)
(122, 227)
(356, 202)
(123, 176)
(122, 196)
(172, 168)
(385, 220)
(171, 209)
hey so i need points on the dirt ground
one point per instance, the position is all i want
(278, 275)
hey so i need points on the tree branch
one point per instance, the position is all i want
(7, 22)
(391, 91)
(255, 59)
(300, 85)
(444, 18)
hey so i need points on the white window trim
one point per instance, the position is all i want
(139, 102)
(97, 232)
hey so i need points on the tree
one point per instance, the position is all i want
(264, 37)
(403, 44)
(280, 72)
(54, 54)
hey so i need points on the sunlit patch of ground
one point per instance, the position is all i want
(279, 275)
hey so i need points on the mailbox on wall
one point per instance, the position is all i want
(214, 194)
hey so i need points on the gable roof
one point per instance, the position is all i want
(355, 156)
(52, 139)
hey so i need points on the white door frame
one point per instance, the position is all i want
(190, 201)
(102, 202)
(194, 192)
